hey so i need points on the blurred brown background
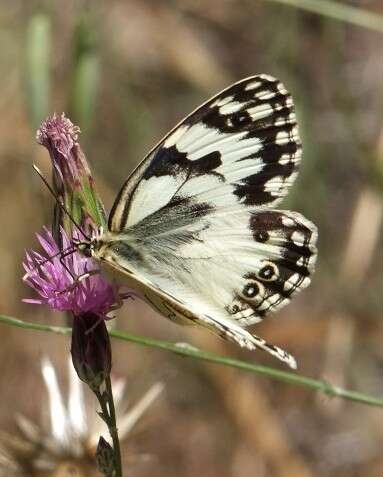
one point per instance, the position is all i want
(125, 72)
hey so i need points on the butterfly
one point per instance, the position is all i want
(195, 227)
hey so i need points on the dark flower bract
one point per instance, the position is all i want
(91, 351)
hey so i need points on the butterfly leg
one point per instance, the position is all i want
(76, 280)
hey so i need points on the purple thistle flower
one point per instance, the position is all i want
(55, 284)
(55, 273)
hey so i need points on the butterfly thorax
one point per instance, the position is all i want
(113, 248)
(118, 253)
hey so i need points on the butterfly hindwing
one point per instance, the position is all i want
(228, 330)
(240, 266)
(286, 242)
(187, 313)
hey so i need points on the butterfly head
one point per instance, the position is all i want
(88, 246)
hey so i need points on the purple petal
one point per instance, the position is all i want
(54, 283)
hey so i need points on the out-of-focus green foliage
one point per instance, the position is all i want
(338, 11)
(85, 75)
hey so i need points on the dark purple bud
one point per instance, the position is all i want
(91, 350)
(105, 457)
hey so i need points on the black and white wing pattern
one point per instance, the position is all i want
(196, 222)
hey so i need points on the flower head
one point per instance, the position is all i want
(53, 275)
(65, 444)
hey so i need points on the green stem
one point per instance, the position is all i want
(109, 415)
(338, 11)
(113, 428)
(276, 374)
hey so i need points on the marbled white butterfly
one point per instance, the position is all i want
(194, 227)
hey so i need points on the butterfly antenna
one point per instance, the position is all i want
(59, 203)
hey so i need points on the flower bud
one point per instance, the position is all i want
(91, 350)
(72, 178)
(105, 457)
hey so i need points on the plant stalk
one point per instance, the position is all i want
(272, 373)
(113, 427)
(106, 401)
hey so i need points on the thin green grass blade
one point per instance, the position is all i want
(191, 352)
(86, 76)
(38, 80)
(338, 11)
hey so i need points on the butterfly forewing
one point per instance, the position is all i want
(196, 224)
(240, 147)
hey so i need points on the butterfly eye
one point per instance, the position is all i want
(88, 251)
(268, 272)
